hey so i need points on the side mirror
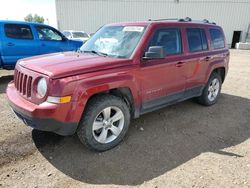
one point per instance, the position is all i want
(155, 52)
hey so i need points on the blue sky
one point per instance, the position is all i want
(18, 9)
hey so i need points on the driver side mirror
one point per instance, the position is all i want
(155, 52)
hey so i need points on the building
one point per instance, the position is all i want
(89, 15)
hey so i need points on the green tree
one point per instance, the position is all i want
(29, 18)
(35, 18)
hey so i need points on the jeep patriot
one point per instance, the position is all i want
(123, 71)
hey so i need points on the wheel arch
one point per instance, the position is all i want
(221, 71)
(124, 93)
(123, 87)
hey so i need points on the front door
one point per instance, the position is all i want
(51, 40)
(163, 80)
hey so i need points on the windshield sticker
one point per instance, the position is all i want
(133, 29)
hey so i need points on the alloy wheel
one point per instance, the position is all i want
(213, 89)
(108, 125)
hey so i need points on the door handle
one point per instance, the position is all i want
(10, 44)
(43, 44)
(207, 58)
(179, 64)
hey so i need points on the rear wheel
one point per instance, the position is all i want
(212, 90)
(104, 123)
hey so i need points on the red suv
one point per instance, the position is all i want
(123, 71)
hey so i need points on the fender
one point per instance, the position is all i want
(96, 85)
(219, 63)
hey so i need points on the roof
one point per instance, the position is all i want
(181, 21)
(20, 22)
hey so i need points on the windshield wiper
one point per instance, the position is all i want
(95, 52)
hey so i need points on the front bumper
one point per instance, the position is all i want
(45, 117)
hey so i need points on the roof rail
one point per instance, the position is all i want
(187, 19)
(163, 19)
(205, 21)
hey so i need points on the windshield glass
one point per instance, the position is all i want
(80, 35)
(115, 41)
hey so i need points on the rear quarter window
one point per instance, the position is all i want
(18, 31)
(217, 39)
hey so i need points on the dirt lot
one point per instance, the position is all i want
(185, 145)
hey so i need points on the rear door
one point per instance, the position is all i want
(197, 60)
(219, 52)
(162, 80)
(18, 42)
(51, 40)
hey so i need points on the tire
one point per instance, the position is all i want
(210, 90)
(99, 121)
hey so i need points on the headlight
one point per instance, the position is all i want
(42, 87)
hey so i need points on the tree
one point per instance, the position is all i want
(35, 18)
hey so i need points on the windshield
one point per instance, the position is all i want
(80, 35)
(114, 41)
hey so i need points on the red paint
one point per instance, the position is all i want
(83, 75)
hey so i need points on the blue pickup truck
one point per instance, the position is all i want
(24, 39)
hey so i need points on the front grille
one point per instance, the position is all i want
(23, 83)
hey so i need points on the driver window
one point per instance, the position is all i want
(169, 39)
(45, 33)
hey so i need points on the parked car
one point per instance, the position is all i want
(77, 35)
(123, 71)
(23, 39)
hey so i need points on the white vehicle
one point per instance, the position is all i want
(76, 35)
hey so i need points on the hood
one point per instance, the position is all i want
(60, 65)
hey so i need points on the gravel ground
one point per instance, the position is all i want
(184, 145)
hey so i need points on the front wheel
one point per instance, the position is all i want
(212, 90)
(105, 122)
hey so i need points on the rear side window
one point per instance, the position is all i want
(169, 38)
(197, 40)
(217, 39)
(18, 31)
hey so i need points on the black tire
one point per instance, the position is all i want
(94, 108)
(204, 99)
